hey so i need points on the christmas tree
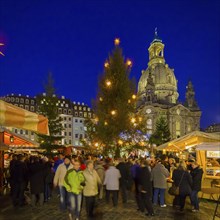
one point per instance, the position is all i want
(114, 106)
(47, 106)
(162, 132)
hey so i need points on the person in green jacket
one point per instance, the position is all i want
(74, 182)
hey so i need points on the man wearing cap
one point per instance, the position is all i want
(59, 180)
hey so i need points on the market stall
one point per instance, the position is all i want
(13, 116)
(208, 156)
(202, 145)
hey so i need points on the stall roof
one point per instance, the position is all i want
(13, 116)
(14, 140)
(189, 140)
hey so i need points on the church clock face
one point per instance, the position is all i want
(148, 111)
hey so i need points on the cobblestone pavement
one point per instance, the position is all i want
(128, 211)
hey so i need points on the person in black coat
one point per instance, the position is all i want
(18, 171)
(36, 175)
(145, 188)
(183, 179)
(196, 174)
(125, 180)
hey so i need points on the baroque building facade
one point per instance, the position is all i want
(73, 115)
(158, 95)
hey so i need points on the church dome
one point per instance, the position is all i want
(165, 83)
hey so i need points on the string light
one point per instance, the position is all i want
(117, 41)
(134, 96)
(120, 142)
(113, 112)
(100, 99)
(129, 101)
(129, 63)
(106, 64)
(108, 83)
(105, 123)
(133, 120)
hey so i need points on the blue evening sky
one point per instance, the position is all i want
(73, 38)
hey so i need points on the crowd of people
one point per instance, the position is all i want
(77, 178)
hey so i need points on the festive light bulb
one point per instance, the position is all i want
(133, 120)
(129, 101)
(108, 83)
(105, 123)
(106, 64)
(142, 143)
(113, 112)
(133, 96)
(129, 63)
(100, 99)
(120, 142)
(117, 41)
(140, 119)
(96, 144)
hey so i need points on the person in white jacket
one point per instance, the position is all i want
(112, 176)
(59, 179)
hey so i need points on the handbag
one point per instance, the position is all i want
(175, 190)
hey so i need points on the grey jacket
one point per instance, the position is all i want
(159, 174)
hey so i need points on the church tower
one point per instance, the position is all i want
(158, 95)
(163, 77)
(190, 97)
(156, 51)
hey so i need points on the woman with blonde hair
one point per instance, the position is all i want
(183, 180)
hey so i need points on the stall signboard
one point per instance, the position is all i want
(213, 154)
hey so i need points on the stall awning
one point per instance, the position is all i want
(13, 116)
(192, 139)
(209, 146)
